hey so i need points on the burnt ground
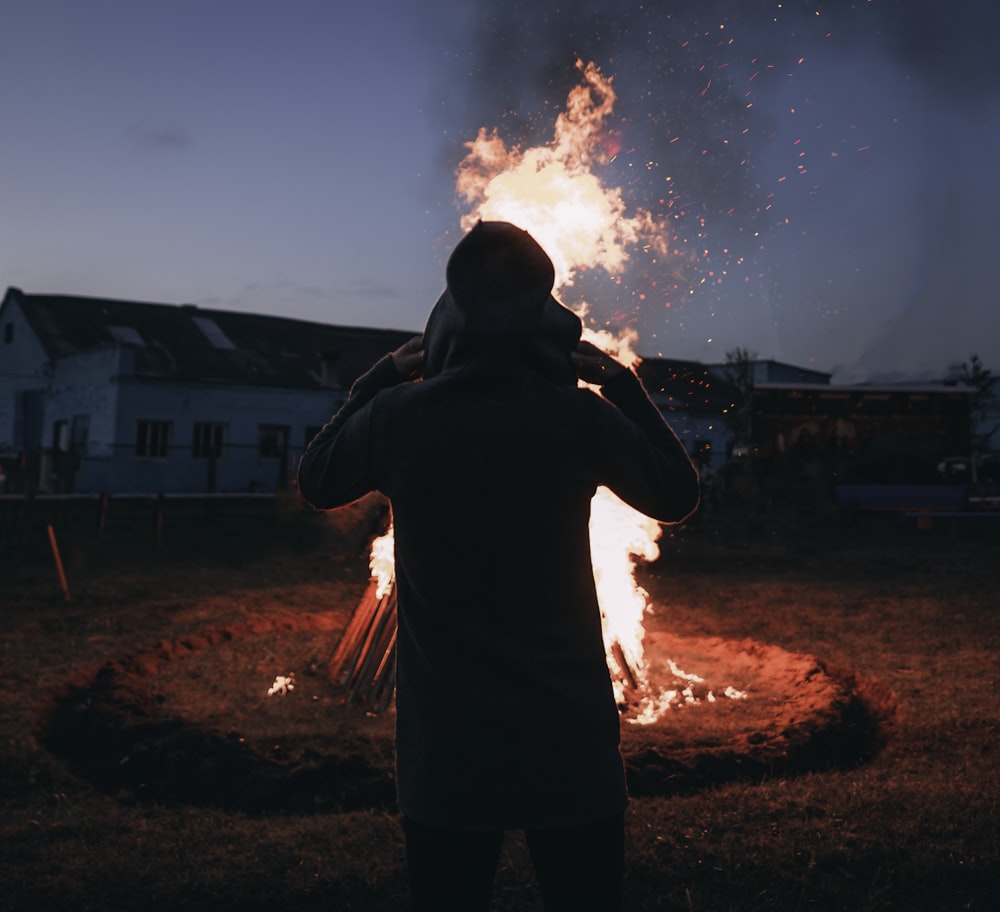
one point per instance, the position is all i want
(189, 720)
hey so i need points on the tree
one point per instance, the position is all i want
(739, 371)
(984, 397)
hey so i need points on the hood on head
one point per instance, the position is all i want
(449, 345)
(499, 303)
(500, 278)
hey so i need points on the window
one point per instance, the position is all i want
(213, 332)
(152, 439)
(60, 436)
(272, 441)
(28, 419)
(127, 335)
(80, 433)
(209, 436)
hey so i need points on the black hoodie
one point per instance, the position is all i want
(505, 711)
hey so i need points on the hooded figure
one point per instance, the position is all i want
(499, 298)
(505, 714)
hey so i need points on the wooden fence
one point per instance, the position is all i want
(25, 519)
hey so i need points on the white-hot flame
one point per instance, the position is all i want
(551, 191)
(382, 563)
(282, 685)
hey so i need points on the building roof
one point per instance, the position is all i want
(866, 389)
(189, 343)
(768, 370)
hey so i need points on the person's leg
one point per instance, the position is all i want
(580, 868)
(450, 870)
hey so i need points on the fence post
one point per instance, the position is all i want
(59, 564)
(158, 519)
(102, 516)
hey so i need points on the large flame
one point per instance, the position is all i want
(552, 192)
(382, 563)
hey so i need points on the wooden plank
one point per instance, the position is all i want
(364, 662)
(626, 675)
(346, 654)
(375, 644)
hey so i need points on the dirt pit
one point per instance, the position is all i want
(190, 721)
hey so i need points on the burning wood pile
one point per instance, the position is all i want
(364, 663)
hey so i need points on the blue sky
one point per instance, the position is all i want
(836, 162)
(272, 156)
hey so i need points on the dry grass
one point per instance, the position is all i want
(916, 828)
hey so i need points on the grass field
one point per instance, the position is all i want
(912, 612)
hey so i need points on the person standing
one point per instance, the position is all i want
(490, 453)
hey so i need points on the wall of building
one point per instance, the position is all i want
(704, 436)
(24, 365)
(240, 466)
(864, 435)
(86, 384)
(78, 418)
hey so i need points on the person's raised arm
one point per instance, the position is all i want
(648, 465)
(334, 468)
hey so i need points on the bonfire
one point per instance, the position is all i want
(554, 192)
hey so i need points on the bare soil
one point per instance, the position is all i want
(192, 720)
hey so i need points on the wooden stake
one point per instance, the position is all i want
(59, 564)
(626, 675)
(364, 662)
(356, 629)
(374, 647)
(103, 516)
(158, 520)
(379, 654)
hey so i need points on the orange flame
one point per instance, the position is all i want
(552, 192)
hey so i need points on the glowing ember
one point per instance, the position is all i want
(282, 685)
(382, 563)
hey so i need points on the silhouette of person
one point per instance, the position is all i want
(490, 454)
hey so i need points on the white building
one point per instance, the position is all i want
(114, 396)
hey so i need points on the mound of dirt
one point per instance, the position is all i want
(787, 713)
(191, 721)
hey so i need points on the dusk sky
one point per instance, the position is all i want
(824, 173)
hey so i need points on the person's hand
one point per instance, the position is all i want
(593, 365)
(408, 359)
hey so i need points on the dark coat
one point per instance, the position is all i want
(505, 711)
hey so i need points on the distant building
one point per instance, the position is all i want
(985, 413)
(898, 434)
(123, 396)
(101, 395)
(766, 370)
(699, 400)
(695, 402)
